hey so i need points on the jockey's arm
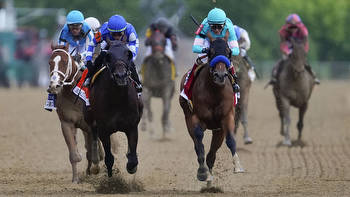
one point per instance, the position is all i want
(90, 46)
(244, 40)
(232, 42)
(133, 43)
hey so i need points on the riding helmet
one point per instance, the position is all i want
(75, 17)
(116, 23)
(216, 16)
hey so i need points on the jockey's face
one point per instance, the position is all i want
(117, 35)
(293, 28)
(217, 28)
(75, 29)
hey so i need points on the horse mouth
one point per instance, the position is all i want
(219, 78)
(54, 89)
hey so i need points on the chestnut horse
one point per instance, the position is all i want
(213, 108)
(64, 75)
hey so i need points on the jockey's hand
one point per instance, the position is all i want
(205, 50)
(89, 65)
(98, 37)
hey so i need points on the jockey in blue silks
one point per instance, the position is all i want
(118, 29)
(78, 34)
(216, 24)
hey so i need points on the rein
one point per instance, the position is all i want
(69, 69)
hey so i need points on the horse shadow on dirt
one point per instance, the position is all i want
(295, 143)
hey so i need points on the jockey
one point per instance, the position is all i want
(78, 34)
(294, 28)
(217, 25)
(95, 27)
(164, 27)
(118, 29)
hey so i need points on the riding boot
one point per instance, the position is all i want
(275, 71)
(136, 78)
(234, 80)
(313, 74)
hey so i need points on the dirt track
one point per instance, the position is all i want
(34, 157)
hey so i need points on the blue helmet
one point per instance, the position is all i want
(75, 17)
(293, 19)
(216, 16)
(116, 23)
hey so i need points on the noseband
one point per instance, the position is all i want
(69, 68)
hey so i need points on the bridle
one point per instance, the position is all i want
(69, 69)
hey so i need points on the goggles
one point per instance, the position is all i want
(217, 26)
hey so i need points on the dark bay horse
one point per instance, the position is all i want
(293, 88)
(244, 83)
(114, 105)
(213, 108)
(158, 75)
(64, 74)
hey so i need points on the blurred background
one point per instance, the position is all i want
(28, 27)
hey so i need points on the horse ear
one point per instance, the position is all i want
(130, 56)
(66, 46)
(52, 46)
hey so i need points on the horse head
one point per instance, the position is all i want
(219, 55)
(158, 42)
(62, 68)
(298, 55)
(118, 61)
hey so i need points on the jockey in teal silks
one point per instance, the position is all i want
(216, 24)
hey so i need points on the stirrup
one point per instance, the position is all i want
(87, 82)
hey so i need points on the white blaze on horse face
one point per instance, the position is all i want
(55, 76)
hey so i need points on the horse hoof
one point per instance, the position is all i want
(95, 169)
(248, 140)
(75, 180)
(202, 174)
(287, 143)
(131, 170)
(238, 170)
(109, 172)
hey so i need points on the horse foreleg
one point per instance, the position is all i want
(197, 134)
(216, 142)
(244, 121)
(69, 132)
(166, 109)
(285, 118)
(109, 159)
(231, 144)
(300, 124)
(132, 136)
(90, 151)
(228, 128)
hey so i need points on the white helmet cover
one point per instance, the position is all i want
(93, 23)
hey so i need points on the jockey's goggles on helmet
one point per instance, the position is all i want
(113, 34)
(217, 26)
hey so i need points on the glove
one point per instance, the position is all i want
(89, 65)
(205, 50)
(98, 37)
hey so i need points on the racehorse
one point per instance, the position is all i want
(244, 83)
(213, 108)
(64, 75)
(158, 81)
(114, 105)
(293, 88)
